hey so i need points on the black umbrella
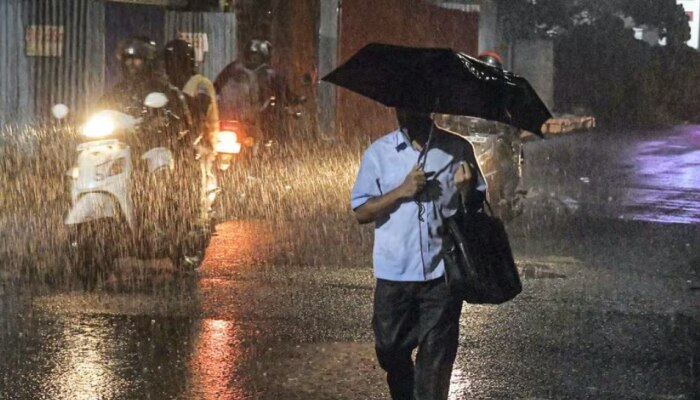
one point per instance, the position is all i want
(441, 81)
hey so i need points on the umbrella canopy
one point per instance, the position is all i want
(441, 81)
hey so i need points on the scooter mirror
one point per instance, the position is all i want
(59, 111)
(155, 100)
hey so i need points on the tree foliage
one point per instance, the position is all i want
(526, 19)
(670, 18)
(601, 67)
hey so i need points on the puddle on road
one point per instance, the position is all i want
(551, 267)
(215, 362)
(538, 271)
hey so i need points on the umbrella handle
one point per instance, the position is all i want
(423, 156)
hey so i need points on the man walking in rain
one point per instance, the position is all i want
(409, 180)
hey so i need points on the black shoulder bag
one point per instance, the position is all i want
(479, 264)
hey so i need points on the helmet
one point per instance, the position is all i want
(139, 47)
(492, 59)
(257, 52)
(179, 61)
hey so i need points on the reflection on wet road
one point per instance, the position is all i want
(95, 357)
(87, 357)
(216, 357)
(666, 178)
(84, 364)
(653, 176)
(155, 342)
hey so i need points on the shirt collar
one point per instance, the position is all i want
(401, 139)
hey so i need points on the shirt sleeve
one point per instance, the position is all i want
(367, 183)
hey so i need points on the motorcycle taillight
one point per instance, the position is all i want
(233, 126)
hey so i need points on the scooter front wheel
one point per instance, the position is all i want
(188, 253)
(92, 253)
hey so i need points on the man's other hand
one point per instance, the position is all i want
(463, 176)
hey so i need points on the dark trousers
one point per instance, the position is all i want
(416, 314)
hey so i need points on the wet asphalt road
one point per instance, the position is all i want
(649, 176)
(610, 308)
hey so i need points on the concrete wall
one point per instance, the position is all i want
(294, 37)
(534, 60)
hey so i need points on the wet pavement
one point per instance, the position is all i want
(281, 310)
(648, 176)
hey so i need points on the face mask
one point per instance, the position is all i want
(133, 66)
(416, 125)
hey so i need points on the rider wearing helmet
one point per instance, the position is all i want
(140, 77)
(181, 70)
(257, 53)
(239, 83)
(250, 90)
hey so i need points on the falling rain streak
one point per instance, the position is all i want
(607, 244)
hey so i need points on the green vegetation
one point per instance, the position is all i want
(600, 66)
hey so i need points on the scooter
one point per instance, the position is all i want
(131, 200)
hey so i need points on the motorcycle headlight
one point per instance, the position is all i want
(227, 143)
(99, 126)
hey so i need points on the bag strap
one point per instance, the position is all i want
(488, 206)
(485, 205)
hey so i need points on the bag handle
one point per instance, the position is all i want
(463, 203)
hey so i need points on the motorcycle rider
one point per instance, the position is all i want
(140, 77)
(250, 90)
(170, 126)
(180, 67)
